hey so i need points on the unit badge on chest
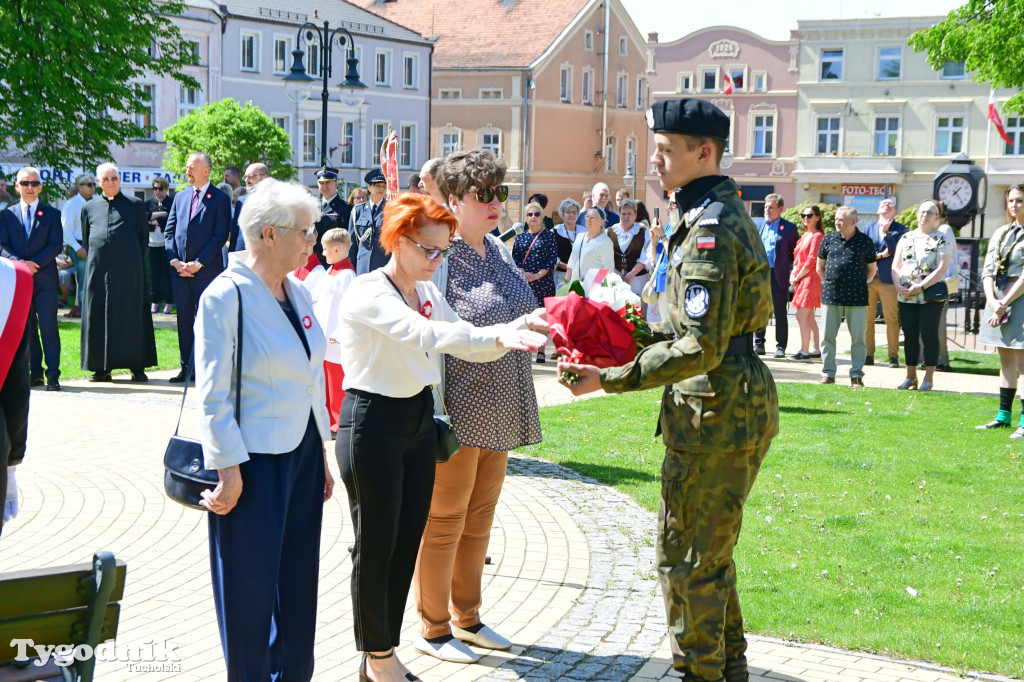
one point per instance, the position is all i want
(696, 301)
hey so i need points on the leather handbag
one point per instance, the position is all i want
(185, 477)
(447, 443)
(936, 293)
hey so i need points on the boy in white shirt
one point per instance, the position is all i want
(330, 288)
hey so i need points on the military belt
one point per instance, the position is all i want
(740, 345)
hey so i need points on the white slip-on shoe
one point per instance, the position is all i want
(452, 651)
(485, 638)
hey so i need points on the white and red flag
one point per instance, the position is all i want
(389, 163)
(727, 79)
(993, 115)
(15, 298)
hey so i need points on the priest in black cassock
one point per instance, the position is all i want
(117, 327)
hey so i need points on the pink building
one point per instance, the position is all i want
(762, 76)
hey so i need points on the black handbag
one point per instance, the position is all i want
(185, 478)
(447, 443)
(937, 293)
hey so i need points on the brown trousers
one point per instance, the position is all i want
(890, 311)
(450, 565)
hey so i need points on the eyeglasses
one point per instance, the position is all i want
(29, 183)
(310, 231)
(87, 184)
(158, 188)
(533, 215)
(485, 194)
(432, 254)
(927, 213)
(807, 215)
(255, 176)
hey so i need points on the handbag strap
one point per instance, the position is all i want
(530, 247)
(238, 370)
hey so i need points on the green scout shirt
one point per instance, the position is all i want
(717, 288)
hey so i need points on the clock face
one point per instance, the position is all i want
(956, 192)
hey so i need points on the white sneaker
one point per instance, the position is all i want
(485, 638)
(453, 650)
(1019, 433)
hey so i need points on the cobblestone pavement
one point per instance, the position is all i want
(571, 581)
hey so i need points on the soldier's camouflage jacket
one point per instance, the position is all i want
(717, 288)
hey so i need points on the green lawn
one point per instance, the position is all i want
(71, 355)
(864, 494)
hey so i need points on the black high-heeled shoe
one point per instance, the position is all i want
(363, 677)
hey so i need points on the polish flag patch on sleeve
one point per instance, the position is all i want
(707, 242)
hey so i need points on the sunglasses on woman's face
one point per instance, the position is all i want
(533, 215)
(485, 194)
(430, 253)
(806, 215)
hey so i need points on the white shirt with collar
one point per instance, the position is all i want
(626, 236)
(71, 221)
(31, 212)
(202, 190)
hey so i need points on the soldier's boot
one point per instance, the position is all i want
(736, 670)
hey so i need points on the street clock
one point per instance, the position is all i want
(962, 187)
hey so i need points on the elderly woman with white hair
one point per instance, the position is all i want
(266, 440)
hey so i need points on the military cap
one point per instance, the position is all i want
(373, 176)
(327, 173)
(688, 116)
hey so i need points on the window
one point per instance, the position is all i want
(588, 40)
(1014, 131)
(450, 93)
(620, 90)
(949, 135)
(887, 130)
(250, 52)
(588, 86)
(491, 93)
(309, 135)
(889, 60)
(282, 50)
(760, 81)
(283, 122)
(348, 142)
(631, 155)
(382, 73)
(764, 135)
(187, 101)
(738, 78)
(709, 80)
(565, 84)
(609, 155)
(313, 58)
(831, 65)
(954, 70)
(684, 82)
(491, 141)
(623, 51)
(410, 71)
(195, 51)
(828, 136)
(449, 143)
(380, 132)
(407, 145)
(146, 119)
(641, 93)
(152, 49)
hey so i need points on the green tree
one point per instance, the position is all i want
(828, 216)
(69, 74)
(984, 34)
(231, 134)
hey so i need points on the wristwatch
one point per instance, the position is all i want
(199, 266)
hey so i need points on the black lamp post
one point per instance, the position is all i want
(299, 84)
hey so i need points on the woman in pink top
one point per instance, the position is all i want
(806, 283)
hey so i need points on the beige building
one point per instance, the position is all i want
(875, 119)
(557, 89)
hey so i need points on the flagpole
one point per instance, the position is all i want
(988, 130)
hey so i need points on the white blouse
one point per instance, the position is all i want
(588, 254)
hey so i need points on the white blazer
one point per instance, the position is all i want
(280, 385)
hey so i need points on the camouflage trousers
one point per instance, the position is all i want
(702, 497)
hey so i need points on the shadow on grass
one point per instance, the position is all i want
(795, 409)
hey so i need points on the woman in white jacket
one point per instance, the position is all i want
(392, 320)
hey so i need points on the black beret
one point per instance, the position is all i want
(689, 116)
(373, 176)
(327, 173)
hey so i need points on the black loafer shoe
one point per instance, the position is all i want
(994, 424)
(38, 381)
(53, 385)
(759, 348)
(856, 381)
(100, 376)
(816, 354)
(178, 378)
(139, 378)
(894, 362)
(869, 360)
(827, 380)
(944, 367)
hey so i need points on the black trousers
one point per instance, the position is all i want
(187, 291)
(14, 396)
(160, 276)
(921, 321)
(780, 297)
(386, 451)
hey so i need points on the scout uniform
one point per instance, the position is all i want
(335, 213)
(719, 411)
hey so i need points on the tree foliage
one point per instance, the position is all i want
(231, 134)
(828, 216)
(70, 69)
(984, 34)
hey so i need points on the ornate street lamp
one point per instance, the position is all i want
(298, 85)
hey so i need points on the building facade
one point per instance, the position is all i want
(875, 119)
(754, 81)
(557, 90)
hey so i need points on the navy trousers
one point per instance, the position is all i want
(780, 297)
(42, 321)
(265, 564)
(186, 291)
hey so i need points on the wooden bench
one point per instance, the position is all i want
(69, 605)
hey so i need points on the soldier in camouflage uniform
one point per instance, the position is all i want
(720, 409)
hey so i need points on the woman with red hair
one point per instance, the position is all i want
(392, 321)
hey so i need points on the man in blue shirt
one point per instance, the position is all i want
(884, 232)
(779, 238)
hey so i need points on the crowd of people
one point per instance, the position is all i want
(367, 320)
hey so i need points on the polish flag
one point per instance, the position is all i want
(993, 115)
(727, 79)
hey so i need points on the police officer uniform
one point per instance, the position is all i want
(335, 213)
(720, 408)
(366, 253)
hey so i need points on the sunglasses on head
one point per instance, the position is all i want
(29, 183)
(432, 254)
(485, 194)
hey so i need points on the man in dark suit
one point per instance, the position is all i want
(779, 237)
(336, 211)
(31, 231)
(197, 228)
(366, 253)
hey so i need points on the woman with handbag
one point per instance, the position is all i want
(262, 425)
(494, 410)
(536, 254)
(391, 321)
(919, 271)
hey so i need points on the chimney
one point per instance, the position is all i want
(652, 37)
